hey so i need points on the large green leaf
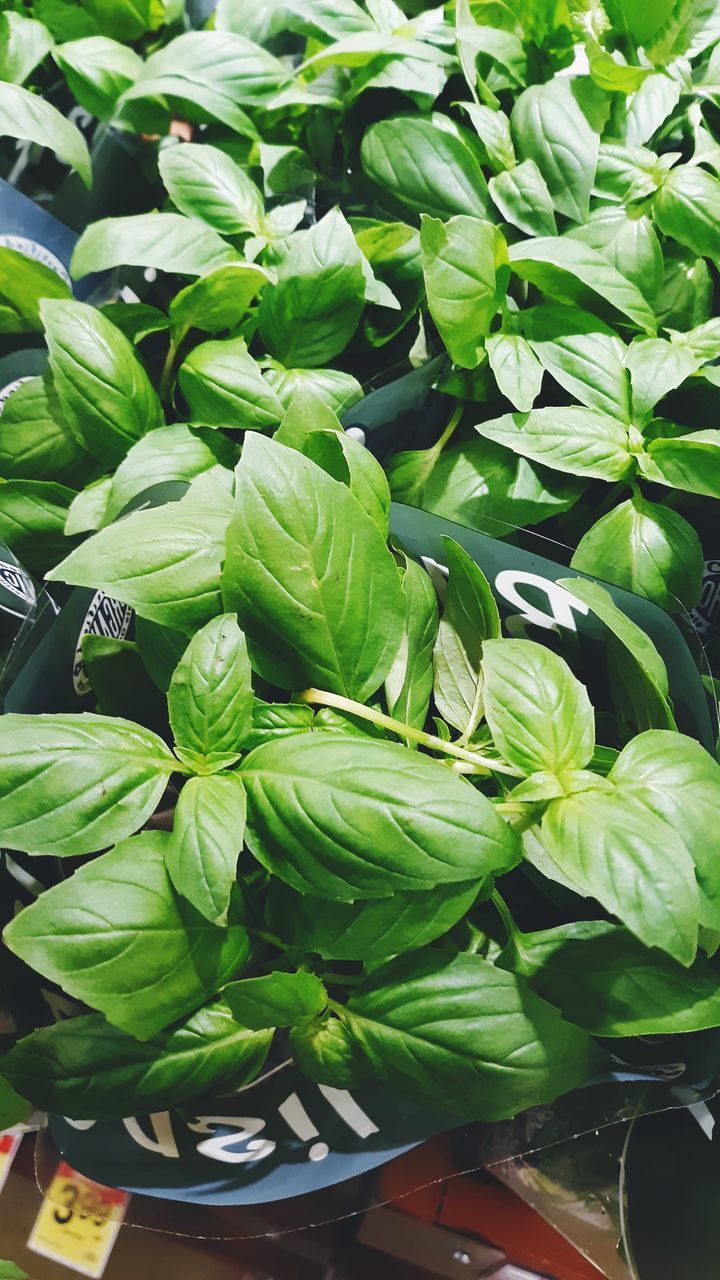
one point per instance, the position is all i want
(656, 367)
(689, 462)
(316, 590)
(218, 300)
(538, 713)
(409, 682)
(276, 999)
(456, 1028)
(207, 838)
(24, 42)
(567, 269)
(87, 1069)
(98, 70)
(591, 366)
(465, 264)
(164, 241)
(35, 443)
(646, 548)
(309, 316)
(32, 521)
(517, 370)
(523, 199)
(117, 936)
(28, 116)
(634, 863)
(426, 167)
(205, 183)
(582, 442)
(470, 618)
(106, 397)
(354, 817)
(168, 453)
(210, 698)
(550, 127)
(24, 283)
(686, 208)
(602, 978)
(676, 779)
(347, 460)
(224, 387)
(73, 784)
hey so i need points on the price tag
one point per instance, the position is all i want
(9, 1143)
(78, 1222)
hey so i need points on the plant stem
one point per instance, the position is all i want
(452, 423)
(325, 699)
(504, 912)
(177, 337)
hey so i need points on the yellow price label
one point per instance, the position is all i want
(78, 1222)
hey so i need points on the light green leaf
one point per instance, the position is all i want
(689, 462)
(320, 19)
(465, 264)
(277, 720)
(314, 309)
(210, 697)
(306, 413)
(633, 863)
(348, 817)
(561, 266)
(87, 1069)
(276, 1000)
(169, 453)
(650, 106)
(470, 619)
(628, 242)
(609, 72)
(603, 979)
(28, 116)
(165, 241)
(35, 443)
(316, 590)
(98, 71)
(493, 129)
(338, 389)
(517, 370)
(523, 199)
(676, 779)
(409, 682)
(116, 936)
(32, 521)
(438, 1025)
(591, 366)
(583, 442)
(629, 173)
(684, 298)
(550, 127)
(205, 183)
(540, 716)
(105, 394)
(24, 43)
(426, 167)
(101, 779)
(218, 300)
(347, 460)
(656, 367)
(24, 283)
(224, 387)
(646, 548)
(206, 842)
(126, 19)
(686, 208)
(87, 509)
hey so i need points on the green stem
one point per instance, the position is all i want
(452, 423)
(343, 980)
(504, 913)
(323, 698)
(176, 339)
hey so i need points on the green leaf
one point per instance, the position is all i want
(23, 285)
(409, 682)
(87, 509)
(116, 936)
(13, 1110)
(628, 242)
(456, 1028)
(565, 269)
(610, 73)
(24, 42)
(517, 370)
(106, 397)
(323, 1051)
(26, 115)
(347, 460)
(206, 842)
(603, 979)
(650, 106)
(426, 167)
(628, 173)
(550, 127)
(470, 618)
(224, 387)
(126, 19)
(583, 442)
(89, 1070)
(32, 521)
(276, 1000)
(98, 71)
(165, 562)
(686, 208)
(316, 590)
(689, 462)
(305, 414)
(213, 73)
(634, 864)
(137, 320)
(345, 817)
(493, 129)
(648, 674)
(101, 779)
(311, 313)
(8, 1271)
(320, 19)
(167, 453)
(656, 367)
(645, 548)
(539, 715)
(684, 298)
(338, 389)
(218, 300)
(120, 682)
(465, 264)
(675, 779)
(273, 720)
(523, 199)
(205, 183)
(210, 699)
(165, 241)
(591, 366)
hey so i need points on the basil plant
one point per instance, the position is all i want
(320, 849)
